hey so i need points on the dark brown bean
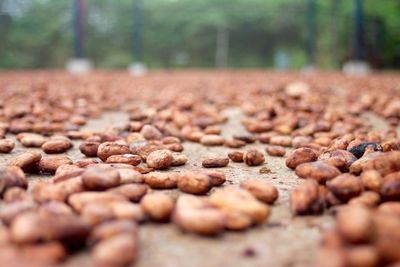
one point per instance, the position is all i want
(253, 157)
(27, 161)
(299, 156)
(275, 151)
(56, 146)
(130, 159)
(236, 156)
(345, 186)
(107, 149)
(159, 159)
(50, 164)
(6, 145)
(12, 176)
(319, 171)
(89, 148)
(161, 180)
(306, 199)
(215, 162)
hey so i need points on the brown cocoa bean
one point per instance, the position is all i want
(130, 159)
(161, 180)
(197, 215)
(247, 138)
(12, 176)
(253, 157)
(31, 139)
(387, 236)
(125, 210)
(100, 178)
(367, 198)
(212, 140)
(159, 159)
(176, 147)
(129, 176)
(10, 211)
(345, 186)
(32, 227)
(331, 257)
(281, 140)
(158, 206)
(275, 151)
(83, 163)
(6, 145)
(217, 178)
(55, 208)
(50, 252)
(385, 163)
(234, 143)
(133, 192)
(50, 164)
(213, 129)
(319, 171)
(178, 159)
(372, 180)
(358, 166)
(306, 199)
(236, 156)
(340, 159)
(194, 182)
(67, 171)
(390, 188)
(27, 161)
(262, 190)
(362, 256)
(15, 194)
(107, 149)
(390, 207)
(119, 250)
(194, 136)
(239, 204)
(56, 146)
(95, 214)
(258, 126)
(43, 192)
(171, 140)
(354, 224)
(150, 132)
(299, 156)
(79, 200)
(215, 162)
(300, 141)
(110, 229)
(89, 148)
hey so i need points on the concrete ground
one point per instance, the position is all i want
(283, 241)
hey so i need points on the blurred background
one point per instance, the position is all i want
(200, 33)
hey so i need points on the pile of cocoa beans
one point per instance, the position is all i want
(137, 172)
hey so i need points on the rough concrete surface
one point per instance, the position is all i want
(283, 241)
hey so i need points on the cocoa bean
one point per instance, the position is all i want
(253, 157)
(262, 190)
(158, 206)
(159, 159)
(299, 156)
(215, 162)
(6, 145)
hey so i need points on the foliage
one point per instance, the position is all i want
(39, 33)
